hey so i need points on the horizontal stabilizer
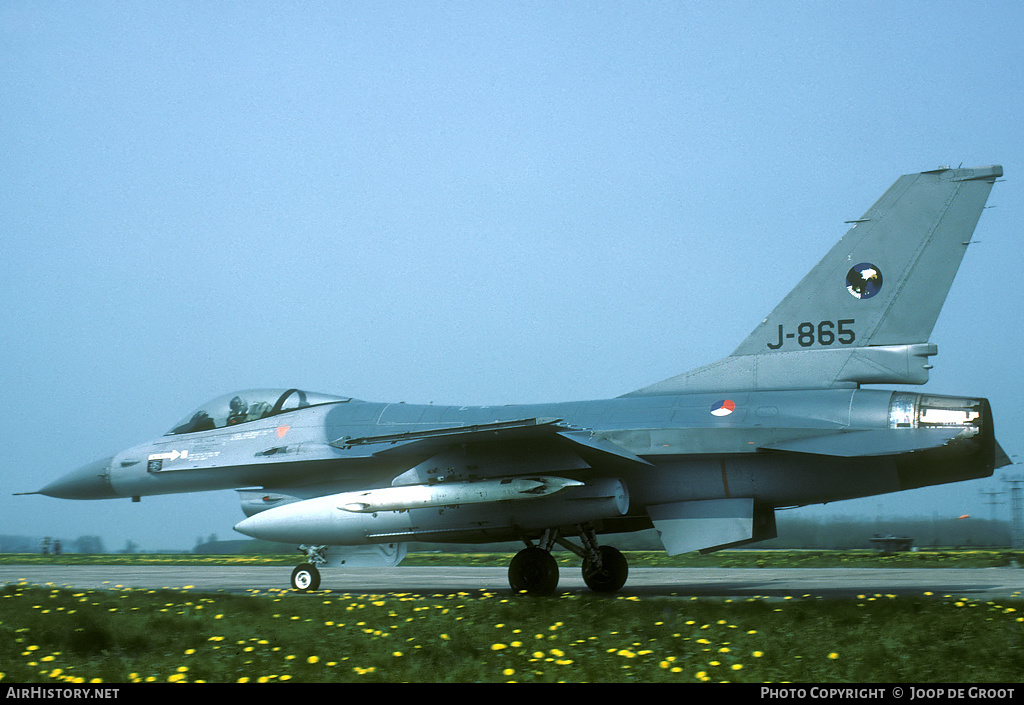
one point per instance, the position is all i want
(1001, 458)
(885, 441)
(711, 525)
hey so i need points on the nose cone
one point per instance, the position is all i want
(90, 481)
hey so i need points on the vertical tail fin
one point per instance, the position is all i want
(864, 313)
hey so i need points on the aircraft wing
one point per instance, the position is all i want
(588, 442)
(883, 441)
(418, 441)
(592, 448)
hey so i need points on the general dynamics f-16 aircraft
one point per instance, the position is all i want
(705, 457)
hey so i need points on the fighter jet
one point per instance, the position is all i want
(705, 457)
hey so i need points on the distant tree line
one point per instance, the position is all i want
(848, 533)
(36, 544)
(794, 532)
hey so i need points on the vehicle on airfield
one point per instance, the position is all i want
(705, 457)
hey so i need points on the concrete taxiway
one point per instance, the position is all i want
(828, 583)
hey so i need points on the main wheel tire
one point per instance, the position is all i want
(533, 570)
(306, 577)
(613, 573)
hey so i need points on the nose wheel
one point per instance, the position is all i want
(306, 577)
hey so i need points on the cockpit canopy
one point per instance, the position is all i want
(250, 405)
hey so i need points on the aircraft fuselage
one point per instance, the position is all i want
(674, 448)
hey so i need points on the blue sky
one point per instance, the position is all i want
(459, 202)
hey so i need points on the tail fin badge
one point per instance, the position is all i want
(864, 280)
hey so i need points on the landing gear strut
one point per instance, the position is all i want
(306, 577)
(535, 571)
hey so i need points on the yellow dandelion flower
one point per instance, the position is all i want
(498, 647)
(312, 659)
(833, 655)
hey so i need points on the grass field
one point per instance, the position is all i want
(55, 635)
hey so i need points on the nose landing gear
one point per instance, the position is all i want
(306, 577)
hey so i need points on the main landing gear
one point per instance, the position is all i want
(534, 570)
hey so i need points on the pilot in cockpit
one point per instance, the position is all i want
(238, 411)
